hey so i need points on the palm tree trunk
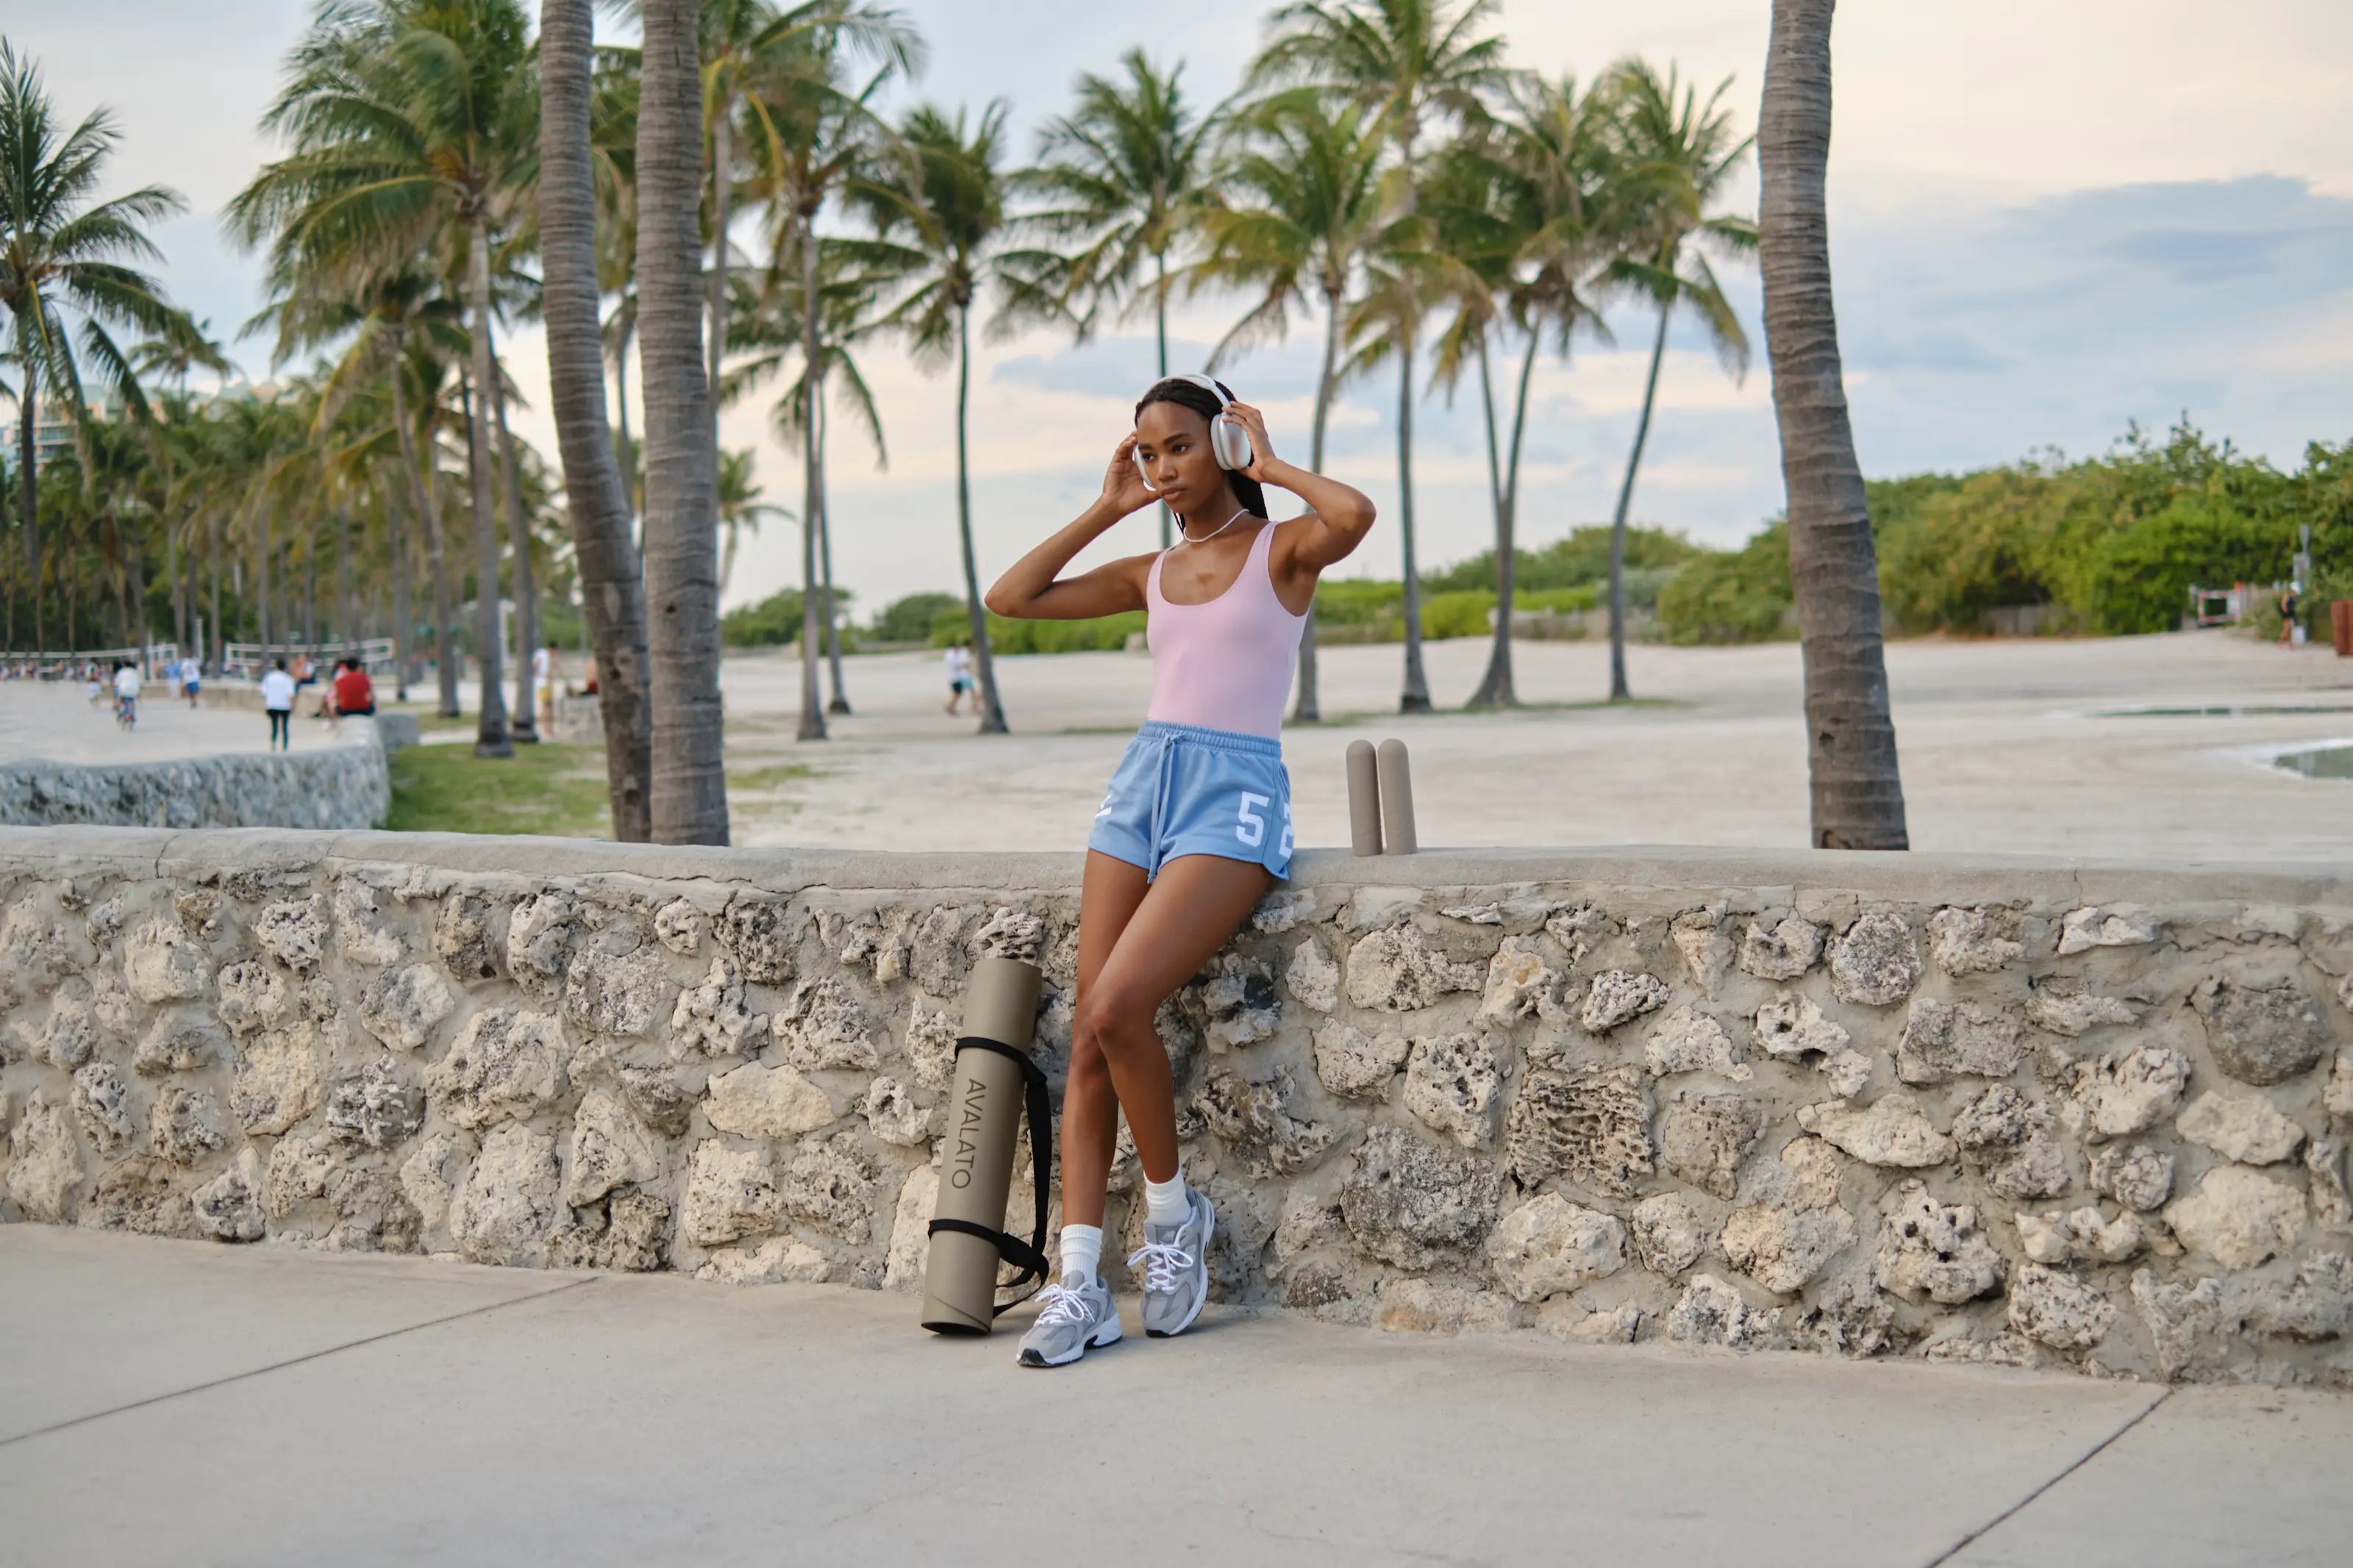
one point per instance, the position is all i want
(984, 664)
(1308, 708)
(1618, 688)
(404, 623)
(491, 737)
(419, 466)
(524, 725)
(1500, 690)
(839, 702)
(722, 157)
(1500, 652)
(689, 782)
(260, 583)
(213, 555)
(346, 611)
(1857, 791)
(623, 458)
(1415, 695)
(812, 725)
(612, 582)
(179, 600)
(1160, 320)
(27, 396)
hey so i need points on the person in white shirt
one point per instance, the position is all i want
(192, 679)
(543, 689)
(126, 692)
(958, 663)
(278, 701)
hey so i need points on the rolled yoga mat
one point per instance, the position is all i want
(995, 1084)
(1397, 801)
(1363, 800)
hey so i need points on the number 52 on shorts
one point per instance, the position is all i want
(1251, 825)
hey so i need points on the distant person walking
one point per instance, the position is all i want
(354, 692)
(192, 679)
(2290, 602)
(958, 664)
(278, 701)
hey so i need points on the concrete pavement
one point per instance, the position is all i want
(192, 1403)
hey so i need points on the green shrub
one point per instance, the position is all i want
(1581, 558)
(1730, 597)
(1357, 602)
(1559, 601)
(774, 622)
(1460, 613)
(2139, 574)
(910, 619)
(1107, 633)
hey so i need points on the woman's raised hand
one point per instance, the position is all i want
(1123, 490)
(1261, 447)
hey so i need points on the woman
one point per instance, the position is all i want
(1197, 825)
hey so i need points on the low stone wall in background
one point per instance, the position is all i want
(340, 788)
(1914, 1105)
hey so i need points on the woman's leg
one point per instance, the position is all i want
(1107, 900)
(1192, 910)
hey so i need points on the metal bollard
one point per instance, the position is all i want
(1363, 800)
(1397, 799)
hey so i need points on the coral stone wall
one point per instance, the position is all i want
(347, 786)
(1900, 1105)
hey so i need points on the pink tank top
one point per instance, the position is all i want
(1224, 664)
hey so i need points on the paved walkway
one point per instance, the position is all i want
(2003, 748)
(54, 721)
(186, 1402)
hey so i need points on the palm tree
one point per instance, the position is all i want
(1680, 155)
(689, 779)
(1301, 208)
(1528, 221)
(63, 255)
(1402, 281)
(849, 293)
(822, 137)
(1417, 64)
(612, 585)
(410, 124)
(1123, 175)
(946, 241)
(1857, 790)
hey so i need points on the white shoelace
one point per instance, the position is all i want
(1064, 1304)
(1161, 1261)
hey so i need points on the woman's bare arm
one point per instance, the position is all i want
(1338, 515)
(1032, 588)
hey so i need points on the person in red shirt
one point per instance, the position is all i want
(354, 694)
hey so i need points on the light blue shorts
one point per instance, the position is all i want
(1183, 790)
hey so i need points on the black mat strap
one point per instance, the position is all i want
(1029, 1257)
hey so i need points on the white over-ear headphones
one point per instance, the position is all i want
(1230, 441)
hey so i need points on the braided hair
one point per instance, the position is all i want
(1192, 396)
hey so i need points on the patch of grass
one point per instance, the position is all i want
(773, 777)
(431, 722)
(548, 789)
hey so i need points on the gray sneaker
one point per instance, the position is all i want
(1074, 1317)
(1176, 1263)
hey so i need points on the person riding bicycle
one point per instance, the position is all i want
(126, 694)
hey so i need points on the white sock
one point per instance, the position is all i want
(1082, 1251)
(1164, 1202)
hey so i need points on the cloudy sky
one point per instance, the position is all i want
(2047, 220)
